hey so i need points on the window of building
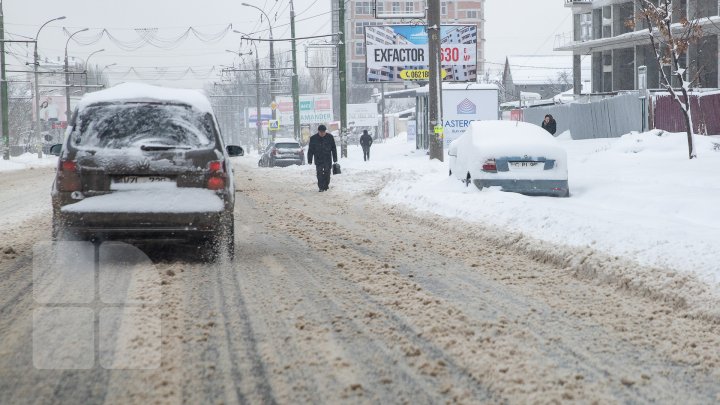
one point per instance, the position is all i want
(395, 6)
(443, 8)
(409, 7)
(471, 14)
(359, 48)
(380, 7)
(363, 7)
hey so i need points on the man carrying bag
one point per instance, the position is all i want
(323, 151)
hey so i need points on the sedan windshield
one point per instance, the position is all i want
(142, 125)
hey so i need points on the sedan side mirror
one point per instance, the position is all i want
(234, 150)
(56, 149)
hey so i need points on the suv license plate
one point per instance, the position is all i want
(124, 182)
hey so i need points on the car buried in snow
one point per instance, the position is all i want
(145, 163)
(514, 156)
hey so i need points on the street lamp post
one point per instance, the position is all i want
(87, 61)
(67, 75)
(36, 62)
(99, 75)
(272, 58)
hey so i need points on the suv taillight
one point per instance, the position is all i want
(489, 166)
(69, 176)
(217, 175)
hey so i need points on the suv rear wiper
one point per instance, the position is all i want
(162, 147)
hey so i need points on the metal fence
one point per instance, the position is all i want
(705, 111)
(607, 118)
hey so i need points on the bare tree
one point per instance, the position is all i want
(671, 41)
(20, 118)
(316, 80)
(561, 83)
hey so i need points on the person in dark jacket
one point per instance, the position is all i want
(366, 141)
(323, 151)
(549, 124)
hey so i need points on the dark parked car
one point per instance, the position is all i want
(145, 163)
(282, 152)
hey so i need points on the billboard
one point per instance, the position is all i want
(396, 53)
(314, 109)
(251, 114)
(362, 115)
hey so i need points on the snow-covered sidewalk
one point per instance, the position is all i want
(26, 161)
(637, 197)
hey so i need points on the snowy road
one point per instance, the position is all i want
(335, 298)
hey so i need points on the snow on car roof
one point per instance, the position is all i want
(511, 137)
(285, 140)
(127, 92)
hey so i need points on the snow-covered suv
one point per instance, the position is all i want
(142, 162)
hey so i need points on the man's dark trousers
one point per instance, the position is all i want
(323, 175)
(366, 152)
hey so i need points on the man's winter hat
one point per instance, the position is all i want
(322, 128)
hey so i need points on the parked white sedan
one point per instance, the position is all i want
(515, 156)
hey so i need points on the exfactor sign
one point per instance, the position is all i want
(394, 53)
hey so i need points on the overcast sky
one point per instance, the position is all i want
(512, 27)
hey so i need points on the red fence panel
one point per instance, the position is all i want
(705, 109)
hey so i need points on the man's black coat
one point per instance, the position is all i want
(366, 140)
(322, 150)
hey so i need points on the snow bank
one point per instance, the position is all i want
(27, 161)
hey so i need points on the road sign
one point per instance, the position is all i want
(273, 106)
(274, 125)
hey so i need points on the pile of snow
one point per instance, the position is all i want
(637, 197)
(127, 92)
(27, 161)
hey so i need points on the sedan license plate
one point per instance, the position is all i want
(526, 166)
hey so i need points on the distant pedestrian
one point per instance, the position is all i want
(366, 141)
(549, 124)
(322, 149)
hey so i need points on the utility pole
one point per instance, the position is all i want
(295, 85)
(4, 89)
(342, 77)
(258, 121)
(435, 96)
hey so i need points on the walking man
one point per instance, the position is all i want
(323, 151)
(366, 142)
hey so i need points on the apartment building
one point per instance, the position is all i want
(360, 14)
(604, 29)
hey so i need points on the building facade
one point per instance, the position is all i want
(607, 31)
(360, 14)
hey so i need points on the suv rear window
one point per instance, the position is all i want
(130, 125)
(287, 145)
